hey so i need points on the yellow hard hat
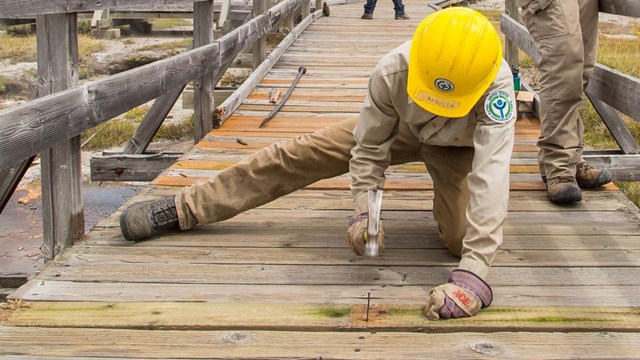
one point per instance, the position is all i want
(455, 56)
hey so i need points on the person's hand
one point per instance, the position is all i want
(463, 296)
(357, 235)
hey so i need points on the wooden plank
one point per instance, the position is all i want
(25, 8)
(347, 294)
(620, 7)
(621, 91)
(222, 316)
(390, 257)
(63, 213)
(623, 167)
(250, 344)
(130, 167)
(203, 85)
(336, 278)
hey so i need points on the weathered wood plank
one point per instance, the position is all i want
(337, 278)
(620, 7)
(221, 316)
(63, 210)
(130, 167)
(25, 8)
(250, 344)
(203, 85)
(347, 294)
(300, 256)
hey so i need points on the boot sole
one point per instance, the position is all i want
(571, 195)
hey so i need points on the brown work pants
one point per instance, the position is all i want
(284, 167)
(566, 34)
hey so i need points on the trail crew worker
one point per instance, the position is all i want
(445, 98)
(566, 35)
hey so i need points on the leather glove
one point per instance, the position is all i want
(463, 296)
(357, 235)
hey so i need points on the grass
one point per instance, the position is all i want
(163, 24)
(118, 131)
(171, 45)
(23, 48)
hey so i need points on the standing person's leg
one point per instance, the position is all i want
(586, 175)
(399, 9)
(369, 7)
(449, 167)
(558, 35)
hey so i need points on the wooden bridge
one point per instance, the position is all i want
(279, 281)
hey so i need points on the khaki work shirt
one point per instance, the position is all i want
(387, 103)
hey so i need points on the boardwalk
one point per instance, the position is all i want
(279, 281)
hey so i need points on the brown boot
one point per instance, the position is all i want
(589, 177)
(563, 190)
(367, 16)
(402, 17)
(145, 219)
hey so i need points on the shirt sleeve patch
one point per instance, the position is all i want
(499, 106)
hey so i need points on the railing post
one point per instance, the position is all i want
(306, 8)
(319, 4)
(288, 22)
(62, 208)
(511, 48)
(260, 47)
(203, 87)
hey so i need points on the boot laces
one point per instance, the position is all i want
(164, 217)
(564, 179)
(585, 166)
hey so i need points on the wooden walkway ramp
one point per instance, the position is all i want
(279, 281)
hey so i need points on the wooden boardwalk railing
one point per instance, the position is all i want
(278, 282)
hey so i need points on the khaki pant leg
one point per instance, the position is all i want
(274, 171)
(558, 35)
(277, 170)
(589, 25)
(449, 167)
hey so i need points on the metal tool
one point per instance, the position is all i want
(301, 71)
(373, 222)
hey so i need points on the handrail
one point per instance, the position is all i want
(29, 8)
(37, 125)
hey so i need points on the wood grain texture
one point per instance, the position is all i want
(279, 281)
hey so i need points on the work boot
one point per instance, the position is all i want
(367, 16)
(145, 219)
(563, 190)
(589, 177)
(402, 17)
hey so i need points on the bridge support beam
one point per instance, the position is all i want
(203, 96)
(62, 207)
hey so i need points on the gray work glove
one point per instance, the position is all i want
(357, 235)
(463, 296)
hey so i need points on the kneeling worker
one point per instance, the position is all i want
(446, 99)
